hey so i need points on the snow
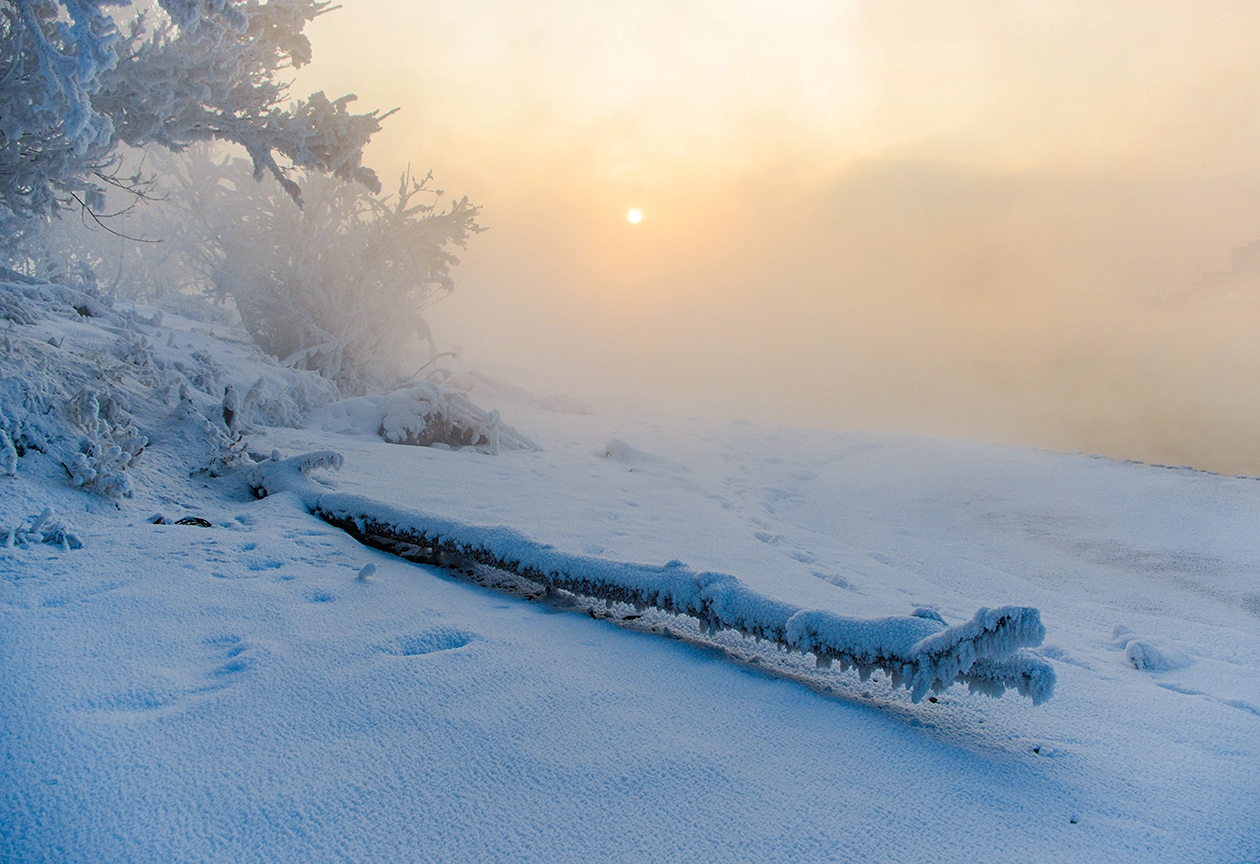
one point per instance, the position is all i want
(270, 689)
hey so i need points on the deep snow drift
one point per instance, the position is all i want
(253, 690)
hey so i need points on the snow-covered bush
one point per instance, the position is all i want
(428, 413)
(90, 434)
(73, 85)
(15, 307)
(29, 300)
(73, 371)
(268, 403)
(48, 528)
(337, 286)
(31, 397)
(111, 444)
(224, 447)
(422, 414)
(278, 474)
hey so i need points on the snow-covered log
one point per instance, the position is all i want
(921, 653)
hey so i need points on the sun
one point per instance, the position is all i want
(635, 216)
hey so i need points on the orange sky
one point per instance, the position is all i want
(975, 218)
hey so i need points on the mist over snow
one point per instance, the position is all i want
(980, 221)
(681, 470)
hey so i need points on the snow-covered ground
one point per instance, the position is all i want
(235, 693)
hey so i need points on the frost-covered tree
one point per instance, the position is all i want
(130, 252)
(74, 84)
(52, 59)
(339, 285)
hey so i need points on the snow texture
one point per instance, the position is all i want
(921, 653)
(206, 678)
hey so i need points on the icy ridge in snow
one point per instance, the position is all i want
(920, 653)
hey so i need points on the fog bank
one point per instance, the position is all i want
(989, 220)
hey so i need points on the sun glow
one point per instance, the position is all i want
(635, 216)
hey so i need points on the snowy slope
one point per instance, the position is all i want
(235, 693)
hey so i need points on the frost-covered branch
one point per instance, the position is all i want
(73, 86)
(216, 80)
(921, 653)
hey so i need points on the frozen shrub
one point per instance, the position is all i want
(337, 286)
(285, 402)
(231, 410)
(428, 413)
(8, 454)
(223, 449)
(277, 474)
(30, 402)
(204, 372)
(110, 445)
(42, 297)
(48, 528)
(15, 307)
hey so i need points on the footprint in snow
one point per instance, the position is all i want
(834, 579)
(137, 698)
(228, 651)
(226, 658)
(429, 642)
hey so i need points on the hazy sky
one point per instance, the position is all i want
(973, 218)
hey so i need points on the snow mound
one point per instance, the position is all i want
(1144, 656)
(291, 475)
(635, 459)
(922, 654)
(424, 414)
